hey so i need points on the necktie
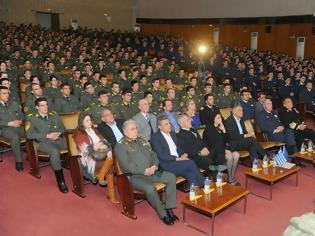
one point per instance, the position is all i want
(68, 99)
(149, 122)
(46, 117)
(193, 132)
(6, 105)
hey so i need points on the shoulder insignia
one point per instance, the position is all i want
(202, 108)
(31, 114)
(52, 113)
(27, 125)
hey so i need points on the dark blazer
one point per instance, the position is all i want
(232, 130)
(189, 142)
(108, 133)
(206, 114)
(161, 148)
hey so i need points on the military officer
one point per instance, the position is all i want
(292, 119)
(89, 96)
(126, 109)
(66, 103)
(78, 89)
(135, 156)
(225, 99)
(48, 130)
(207, 111)
(155, 108)
(11, 118)
(136, 93)
(115, 95)
(190, 94)
(96, 108)
(158, 94)
(36, 92)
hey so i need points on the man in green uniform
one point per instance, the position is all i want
(66, 103)
(48, 130)
(135, 156)
(89, 96)
(126, 109)
(11, 118)
(225, 99)
(96, 108)
(36, 92)
(114, 95)
(136, 93)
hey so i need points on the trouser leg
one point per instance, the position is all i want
(14, 135)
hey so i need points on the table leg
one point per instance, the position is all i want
(245, 205)
(270, 193)
(184, 213)
(212, 224)
(246, 181)
(297, 179)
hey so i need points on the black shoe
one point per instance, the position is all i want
(61, 181)
(1, 159)
(19, 166)
(168, 221)
(171, 215)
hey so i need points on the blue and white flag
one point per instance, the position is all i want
(282, 156)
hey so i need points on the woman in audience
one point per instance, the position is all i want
(191, 111)
(96, 155)
(215, 137)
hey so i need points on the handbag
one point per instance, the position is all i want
(101, 154)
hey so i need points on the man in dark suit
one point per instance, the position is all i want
(111, 128)
(239, 138)
(207, 111)
(271, 125)
(248, 105)
(172, 158)
(292, 119)
(191, 143)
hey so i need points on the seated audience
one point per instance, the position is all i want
(48, 131)
(110, 127)
(172, 157)
(191, 143)
(95, 155)
(146, 121)
(171, 115)
(239, 138)
(292, 119)
(136, 157)
(191, 111)
(208, 110)
(215, 137)
(248, 106)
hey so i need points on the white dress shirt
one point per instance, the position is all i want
(171, 144)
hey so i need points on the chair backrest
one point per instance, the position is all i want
(249, 127)
(70, 120)
(117, 166)
(200, 131)
(72, 147)
(23, 87)
(225, 112)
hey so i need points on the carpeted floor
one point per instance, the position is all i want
(34, 207)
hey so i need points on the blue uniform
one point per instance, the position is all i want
(248, 109)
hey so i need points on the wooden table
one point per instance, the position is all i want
(271, 176)
(215, 202)
(307, 156)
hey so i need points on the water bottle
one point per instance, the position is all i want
(302, 147)
(255, 165)
(207, 184)
(310, 146)
(192, 193)
(265, 162)
(274, 163)
(219, 179)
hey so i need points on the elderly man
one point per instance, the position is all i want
(239, 138)
(136, 157)
(190, 141)
(110, 127)
(146, 121)
(269, 122)
(172, 157)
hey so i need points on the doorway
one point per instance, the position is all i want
(49, 20)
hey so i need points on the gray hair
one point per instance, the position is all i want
(128, 122)
(160, 118)
(180, 118)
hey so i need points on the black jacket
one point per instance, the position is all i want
(232, 130)
(190, 143)
(108, 133)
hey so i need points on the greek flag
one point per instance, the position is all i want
(282, 156)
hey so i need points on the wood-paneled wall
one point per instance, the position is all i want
(282, 38)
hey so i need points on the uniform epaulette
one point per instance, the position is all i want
(52, 113)
(31, 114)
(86, 109)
